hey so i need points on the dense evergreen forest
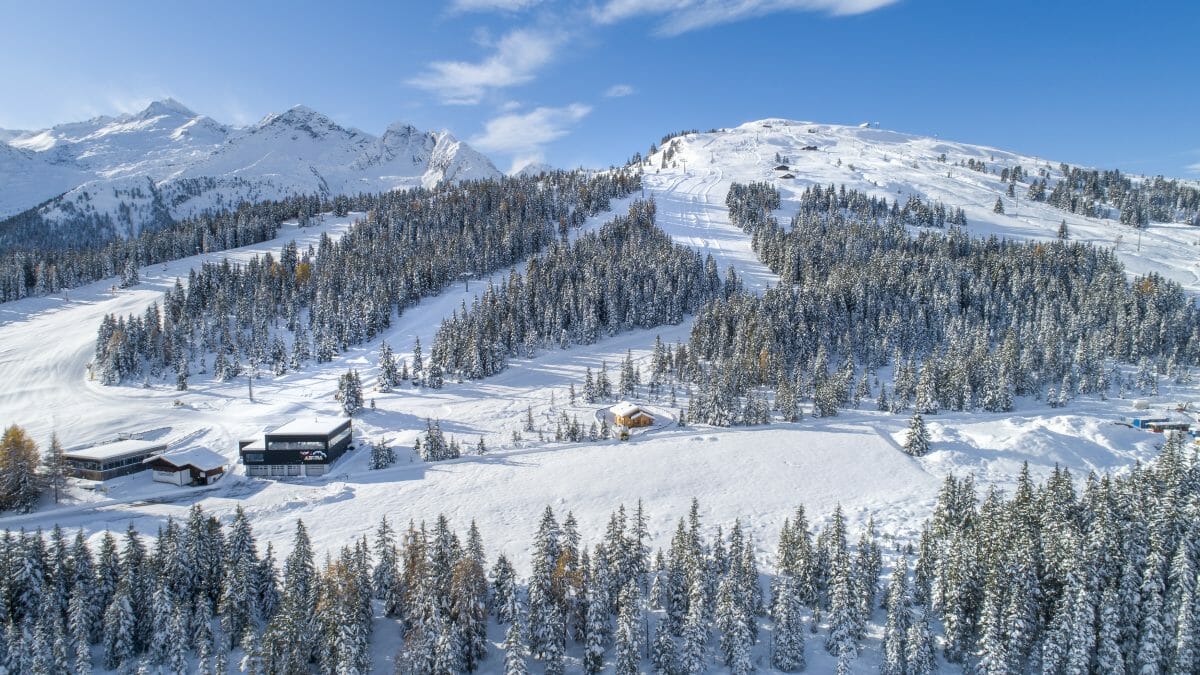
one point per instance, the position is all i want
(1109, 193)
(627, 275)
(34, 261)
(412, 244)
(1092, 576)
(964, 323)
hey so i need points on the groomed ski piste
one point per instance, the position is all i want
(756, 474)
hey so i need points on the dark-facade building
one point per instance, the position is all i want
(194, 466)
(300, 448)
(110, 460)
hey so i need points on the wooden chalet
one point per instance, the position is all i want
(195, 466)
(629, 415)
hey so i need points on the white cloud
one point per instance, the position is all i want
(492, 5)
(681, 16)
(618, 90)
(525, 135)
(517, 57)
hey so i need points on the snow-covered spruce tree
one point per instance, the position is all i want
(239, 600)
(505, 602)
(919, 649)
(695, 632)
(843, 612)
(54, 468)
(596, 632)
(385, 577)
(899, 620)
(468, 608)
(663, 651)
(432, 446)
(119, 629)
(787, 650)
(382, 454)
(129, 277)
(389, 372)
(514, 649)
(349, 392)
(544, 618)
(629, 638)
(916, 443)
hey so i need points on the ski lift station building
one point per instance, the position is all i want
(110, 460)
(300, 448)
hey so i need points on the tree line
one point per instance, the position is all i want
(280, 313)
(626, 276)
(38, 259)
(1066, 576)
(963, 323)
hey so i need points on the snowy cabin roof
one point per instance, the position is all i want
(624, 409)
(201, 459)
(116, 450)
(627, 409)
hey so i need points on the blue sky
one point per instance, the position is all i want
(1099, 82)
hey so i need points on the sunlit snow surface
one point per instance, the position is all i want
(757, 474)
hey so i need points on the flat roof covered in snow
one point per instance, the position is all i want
(316, 426)
(116, 450)
(202, 459)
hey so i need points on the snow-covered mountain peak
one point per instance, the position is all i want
(532, 169)
(165, 108)
(399, 128)
(304, 119)
(297, 151)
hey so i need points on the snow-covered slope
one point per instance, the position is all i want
(759, 474)
(691, 189)
(186, 163)
(29, 178)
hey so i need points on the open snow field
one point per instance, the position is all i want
(759, 474)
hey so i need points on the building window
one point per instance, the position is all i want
(340, 437)
(253, 458)
(296, 445)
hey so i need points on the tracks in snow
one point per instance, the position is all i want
(691, 208)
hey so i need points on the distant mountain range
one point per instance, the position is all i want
(169, 162)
